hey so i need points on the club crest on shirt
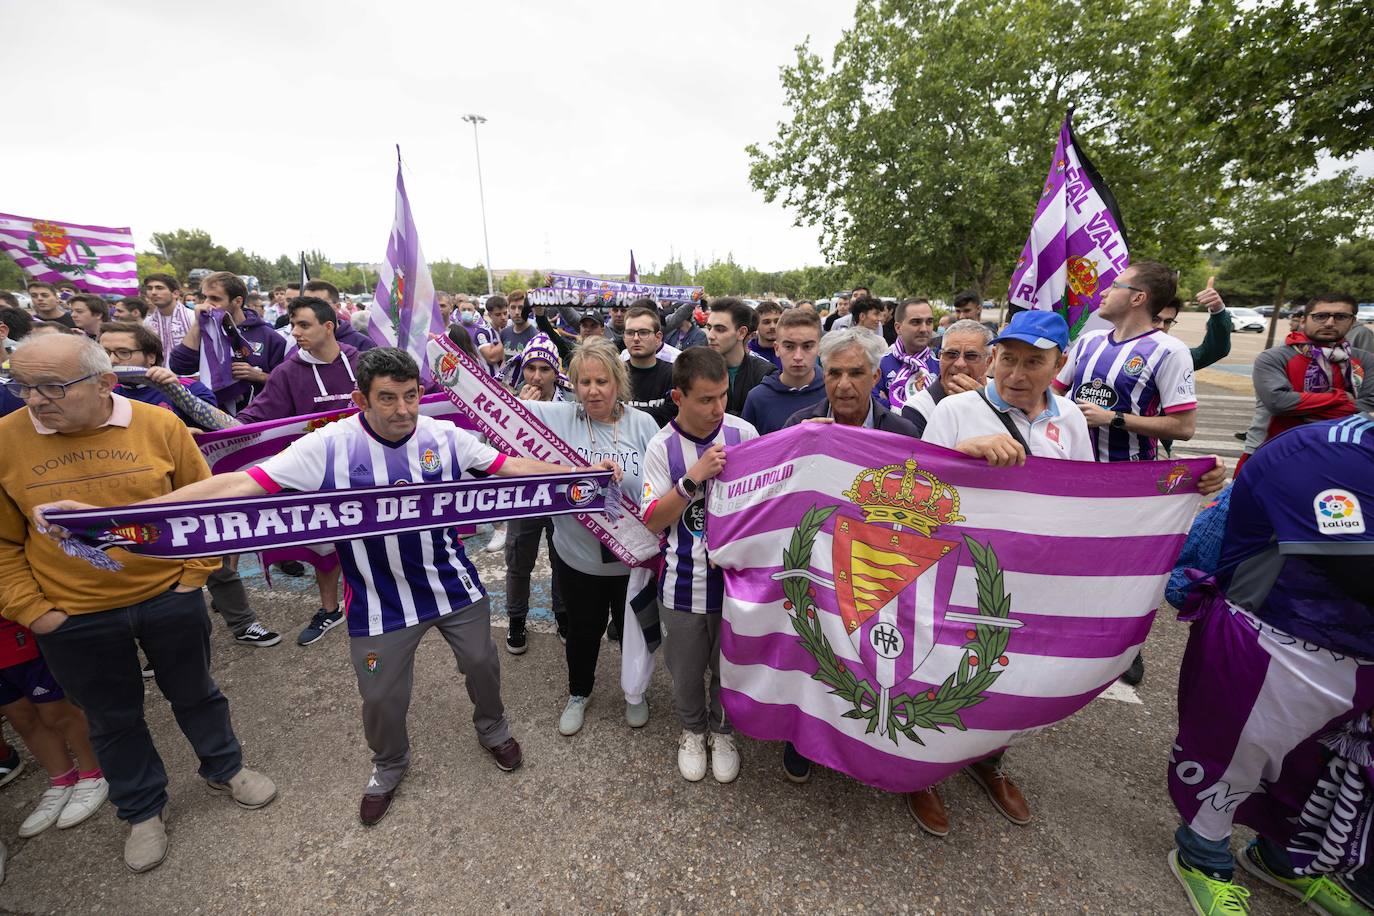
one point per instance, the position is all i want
(429, 461)
(371, 662)
(1097, 392)
(1134, 366)
(1338, 512)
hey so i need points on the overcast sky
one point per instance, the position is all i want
(273, 125)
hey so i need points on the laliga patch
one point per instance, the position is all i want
(1338, 512)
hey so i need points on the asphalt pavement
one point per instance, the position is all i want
(602, 822)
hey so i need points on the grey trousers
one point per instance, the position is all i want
(229, 599)
(522, 548)
(385, 666)
(691, 647)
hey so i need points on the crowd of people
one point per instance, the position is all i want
(658, 393)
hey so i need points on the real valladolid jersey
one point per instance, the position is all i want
(392, 581)
(1148, 375)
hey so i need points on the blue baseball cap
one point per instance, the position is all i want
(1038, 328)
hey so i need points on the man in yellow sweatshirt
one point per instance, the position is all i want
(77, 439)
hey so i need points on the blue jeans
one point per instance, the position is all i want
(95, 659)
(1214, 857)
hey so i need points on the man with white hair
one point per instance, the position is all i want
(850, 360)
(964, 357)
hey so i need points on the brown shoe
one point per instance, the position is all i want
(375, 807)
(508, 755)
(928, 811)
(1005, 797)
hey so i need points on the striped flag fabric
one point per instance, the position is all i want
(1077, 244)
(406, 311)
(634, 271)
(898, 611)
(98, 259)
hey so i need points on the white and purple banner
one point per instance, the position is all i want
(98, 259)
(1077, 244)
(592, 289)
(406, 310)
(898, 611)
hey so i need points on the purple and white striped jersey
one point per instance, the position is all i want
(395, 581)
(1148, 375)
(688, 582)
(483, 334)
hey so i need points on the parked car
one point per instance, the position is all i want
(1265, 310)
(1243, 319)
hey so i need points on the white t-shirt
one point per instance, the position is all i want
(1058, 432)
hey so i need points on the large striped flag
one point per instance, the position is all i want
(406, 311)
(897, 610)
(97, 259)
(1077, 244)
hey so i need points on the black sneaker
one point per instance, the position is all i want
(320, 624)
(1136, 673)
(258, 635)
(516, 640)
(797, 767)
(292, 567)
(10, 767)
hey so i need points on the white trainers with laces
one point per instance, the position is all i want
(724, 757)
(87, 797)
(570, 723)
(50, 805)
(691, 756)
(498, 540)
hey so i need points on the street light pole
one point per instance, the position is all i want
(474, 120)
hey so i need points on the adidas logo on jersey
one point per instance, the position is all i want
(361, 470)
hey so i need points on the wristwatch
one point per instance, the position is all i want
(1119, 421)
(688, 487)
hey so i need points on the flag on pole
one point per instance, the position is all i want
(305, 274)
(1077, 244)
(406, 311)
(634, 271)
(96, 258)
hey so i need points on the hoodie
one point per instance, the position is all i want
(772, 402)
(304, 385)
(345, 333)
(266, 350)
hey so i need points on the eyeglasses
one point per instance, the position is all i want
(1324, 317)
(970, 356)
(636, 332)
(120, 352)
(53, 391)
(1117, 284)
(1166, 323)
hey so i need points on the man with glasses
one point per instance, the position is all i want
(651, 378)
(78, 439)
(1314, 375)
(908, 366)
(963, 366)
(1216, 344)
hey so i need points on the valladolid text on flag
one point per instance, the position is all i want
(1077, 244)
(571, 289)
(406, 312)
(237, 447)
(218, 526)
(897, 610)
(97, 259)
(506, 423)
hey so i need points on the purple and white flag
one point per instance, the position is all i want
(97, 259)
(1077, 244)
(898, 611)
(590, 290)
(634, 271)
(406, 310)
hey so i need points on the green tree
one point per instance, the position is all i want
(11, 276)
(1284, 233)
(1352, 270)
(918, 150)
(150, 263)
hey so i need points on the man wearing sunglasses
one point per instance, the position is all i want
(965, 352)
(1314, 375)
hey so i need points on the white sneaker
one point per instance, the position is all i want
(498, 540)
(87, 797)
(691, 756)
(570, 723)
(50, 805)
(724, 757)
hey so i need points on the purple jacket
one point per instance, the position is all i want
(345, 333)
(266, 351)
(299, 387)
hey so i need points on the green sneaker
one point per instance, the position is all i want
(1209, 896)
(1320, 894)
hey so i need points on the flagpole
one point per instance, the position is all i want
(474, 120)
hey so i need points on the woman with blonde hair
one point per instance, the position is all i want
(599, 425)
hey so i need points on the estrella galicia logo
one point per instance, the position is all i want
(694, 517)
(1097, 392)
(582, 492)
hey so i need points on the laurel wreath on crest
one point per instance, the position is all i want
(937, 708)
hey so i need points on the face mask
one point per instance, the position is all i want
(469, 317)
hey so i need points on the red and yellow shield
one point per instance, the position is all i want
(874, 563)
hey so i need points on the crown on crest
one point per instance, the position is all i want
(52, 236)
(905, 495)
